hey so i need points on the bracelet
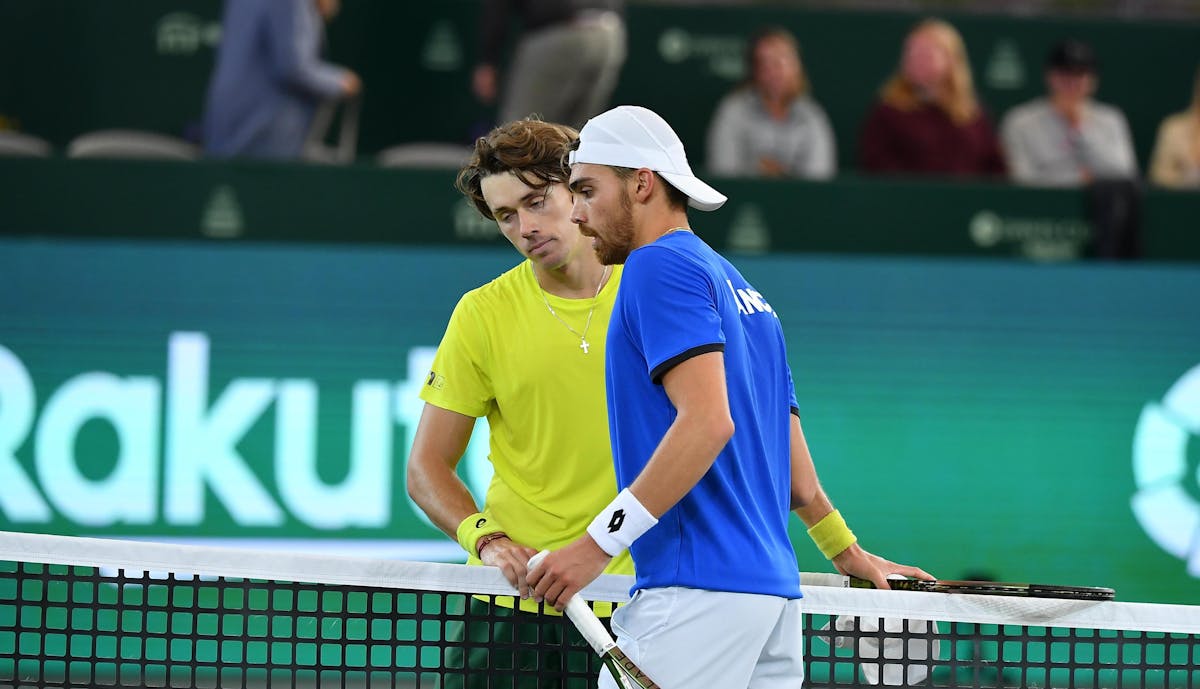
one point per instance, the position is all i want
(474, 527)
(831, 535)
(485, 540)
(619, 525)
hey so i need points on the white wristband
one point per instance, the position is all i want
(620, 524)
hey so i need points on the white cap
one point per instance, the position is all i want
(634, 137)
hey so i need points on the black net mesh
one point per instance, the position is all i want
(81, 626)
(846, 651)
(71, 626)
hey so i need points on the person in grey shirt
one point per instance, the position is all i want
(269, 78)
(566, 60)
(771, 127)
(1066, 138)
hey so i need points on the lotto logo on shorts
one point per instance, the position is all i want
(435, 381)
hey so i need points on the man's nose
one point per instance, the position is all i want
(578, 216)
(526, 224)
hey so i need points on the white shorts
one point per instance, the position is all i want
(685, 638)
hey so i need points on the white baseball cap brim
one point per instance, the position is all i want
(635, 137)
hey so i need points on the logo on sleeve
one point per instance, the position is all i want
(435, 380)
(479, 524)
(749, 301)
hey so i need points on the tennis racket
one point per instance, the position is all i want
(992, 588)
(624, 670)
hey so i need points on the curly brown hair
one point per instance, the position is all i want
(534, 151)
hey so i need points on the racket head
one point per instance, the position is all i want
(996, 588)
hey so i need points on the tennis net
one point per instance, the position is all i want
(77, 612)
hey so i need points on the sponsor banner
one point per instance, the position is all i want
(1011, 420)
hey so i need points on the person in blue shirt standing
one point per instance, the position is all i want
(710, 456)
(269, 79)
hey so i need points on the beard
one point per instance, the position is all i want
(615, 244)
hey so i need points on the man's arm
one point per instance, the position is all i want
(819, 161)
(702, 427)
(294, 38)
(440, 441)
(726, 149)
(812, 505)
(494, 18)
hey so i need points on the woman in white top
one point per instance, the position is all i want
(770, 126)
(1176, 158)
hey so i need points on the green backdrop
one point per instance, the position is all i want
(253, 201)
(972, 416)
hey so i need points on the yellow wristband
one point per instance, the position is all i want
(472, 528)
(832, 535)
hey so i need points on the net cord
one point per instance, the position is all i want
(819, 596)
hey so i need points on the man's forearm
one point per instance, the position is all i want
(687, 451)
(442, 495)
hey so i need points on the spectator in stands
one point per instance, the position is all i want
(928, 119)
(565, 64)
(1066, 138)
(770, 126)
(269, 78)
(1176, 158)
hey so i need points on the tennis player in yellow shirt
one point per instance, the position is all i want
(526, 351)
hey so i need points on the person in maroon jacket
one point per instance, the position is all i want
(927, 119)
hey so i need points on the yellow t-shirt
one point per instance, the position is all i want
(507, 357)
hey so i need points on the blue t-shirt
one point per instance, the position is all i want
(680, 299)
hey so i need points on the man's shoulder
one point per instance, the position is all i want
(677, 249)
(808, 105)
(492, 301)
(1028, 113)
(1107, 112)
(668, 260)
(740, 103)
(1177, 124)
(497, 294)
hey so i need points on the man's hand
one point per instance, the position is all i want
(1071, 110)
(510, 557)
(483, 83)
(769, 167)
(857, 562)
(567, 570)
(351, 84)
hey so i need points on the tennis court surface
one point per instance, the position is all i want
(78, 612)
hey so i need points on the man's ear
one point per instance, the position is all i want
(645, 182)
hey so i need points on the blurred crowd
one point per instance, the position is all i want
(272, 95)
(927, 119)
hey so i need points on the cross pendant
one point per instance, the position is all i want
(583, 344)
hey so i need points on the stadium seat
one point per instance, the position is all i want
(19, 145)
(343, 150)
(128, 143)
(425, 155)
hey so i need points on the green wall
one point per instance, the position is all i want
(273, 202)
(967, 415)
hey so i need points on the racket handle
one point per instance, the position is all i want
(582, 617)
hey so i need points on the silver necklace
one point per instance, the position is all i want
(583, 343)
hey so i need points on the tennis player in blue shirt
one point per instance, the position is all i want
(705, 433)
